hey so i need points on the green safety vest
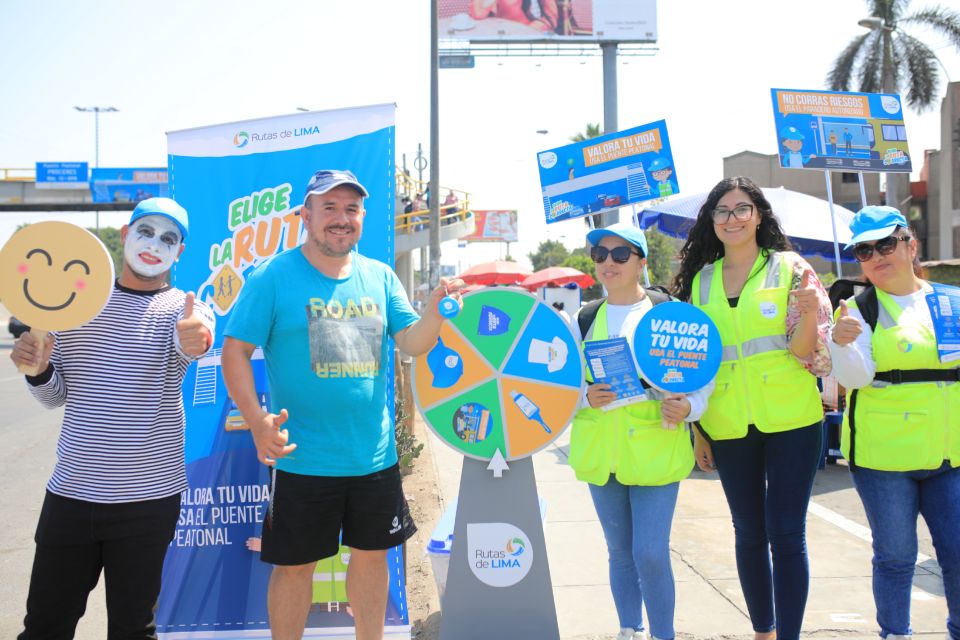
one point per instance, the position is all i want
(629, 441)
(903, 426)
(760, 381)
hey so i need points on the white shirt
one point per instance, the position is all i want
(853, 364)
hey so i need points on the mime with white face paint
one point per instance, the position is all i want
(114, 499)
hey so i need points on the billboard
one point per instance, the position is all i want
(840, 131)
(243, 184)
(128, 185)
(608, 172)
(508, 21)
(61, 175)
(494, 226)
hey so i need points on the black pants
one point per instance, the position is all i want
(75, 541)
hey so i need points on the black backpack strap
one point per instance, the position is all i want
(852, 420)
(900, 376)
(588, 313)
(869, 306)
(658, 294)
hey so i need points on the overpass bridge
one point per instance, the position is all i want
(19, 194)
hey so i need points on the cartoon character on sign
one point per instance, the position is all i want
(792, 141)
(54, 276)
(661, 169)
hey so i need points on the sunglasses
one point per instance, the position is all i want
(863, 252)
(619, 254)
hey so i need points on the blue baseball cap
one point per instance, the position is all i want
(163, 207)
(624, 230)
(790, 133)
(875, 222)
(659, 164)
(327, 179)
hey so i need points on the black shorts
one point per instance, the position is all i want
(307, 514)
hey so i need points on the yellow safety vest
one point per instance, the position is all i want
(902, 426)
(629, 441)
(760, 381)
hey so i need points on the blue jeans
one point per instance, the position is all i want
(892, 500)
(636, 523)
(767, 479)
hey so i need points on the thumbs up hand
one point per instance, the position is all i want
(806, 295)
(847, 327)
(192, 333)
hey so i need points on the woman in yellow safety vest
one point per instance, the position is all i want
(633, 455)
(762, 427)
(901, 431)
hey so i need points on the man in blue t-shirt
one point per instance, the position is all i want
(323, 315)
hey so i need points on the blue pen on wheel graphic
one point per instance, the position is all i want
(529, 409)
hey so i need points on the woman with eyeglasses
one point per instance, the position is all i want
(632, 455)
(762, 427)
(901, 431)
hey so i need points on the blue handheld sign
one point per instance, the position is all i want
(678, 347)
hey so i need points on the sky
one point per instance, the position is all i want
(179, 64)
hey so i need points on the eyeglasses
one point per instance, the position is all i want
(885, 246)
(742, 212)
(619, 254)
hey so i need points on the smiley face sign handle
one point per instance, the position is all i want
(34, 369)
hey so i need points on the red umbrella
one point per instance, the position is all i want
(557, 276)
(496, 272)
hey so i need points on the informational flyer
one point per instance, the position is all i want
(944, 303)
(611, 362)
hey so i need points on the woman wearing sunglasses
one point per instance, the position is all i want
(901, 432)
(762, 427)
(634, 455)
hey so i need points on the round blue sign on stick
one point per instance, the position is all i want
(449, 307)
(678, 347)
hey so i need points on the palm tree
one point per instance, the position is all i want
(593, 131)
(888, 59)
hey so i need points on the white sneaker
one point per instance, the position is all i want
(630, 634)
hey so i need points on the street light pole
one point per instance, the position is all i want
(96, 111)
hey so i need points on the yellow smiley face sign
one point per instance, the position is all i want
(55, 276)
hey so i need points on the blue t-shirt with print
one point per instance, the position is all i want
(325, 345)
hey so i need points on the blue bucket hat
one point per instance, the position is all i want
(163, 207)
(327, 179)
(624, 230)
(875, 222)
